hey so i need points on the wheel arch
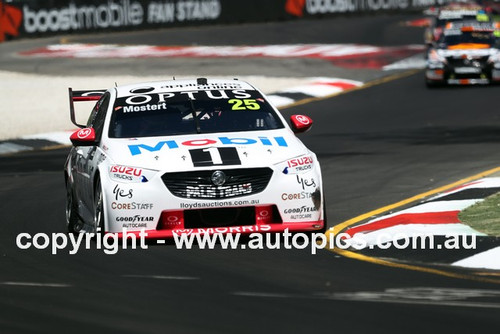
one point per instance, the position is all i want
(99, 177)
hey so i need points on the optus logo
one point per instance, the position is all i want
(10, 21)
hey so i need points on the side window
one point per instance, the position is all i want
(98, 115)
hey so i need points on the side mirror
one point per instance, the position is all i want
(83, 137)
(300, 123)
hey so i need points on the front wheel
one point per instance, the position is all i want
(433, 84)
(325, 221)
(99, 225)
(73, 221)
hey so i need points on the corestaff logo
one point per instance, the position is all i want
(10, 21)
(295, 7)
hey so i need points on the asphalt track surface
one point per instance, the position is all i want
(376, 145)
(379, 30)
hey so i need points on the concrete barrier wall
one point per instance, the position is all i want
(38, 18)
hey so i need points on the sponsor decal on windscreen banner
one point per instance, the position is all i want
(38, 17)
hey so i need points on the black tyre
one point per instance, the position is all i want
(432, 84)
(73, 221)
(98, 208)
(325, 221)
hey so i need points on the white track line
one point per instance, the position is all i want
(36, 284)
(180, 278)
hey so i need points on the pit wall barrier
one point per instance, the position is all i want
(41, 18)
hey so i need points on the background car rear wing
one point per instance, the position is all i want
(79, 96)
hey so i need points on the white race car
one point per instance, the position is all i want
(190, 156)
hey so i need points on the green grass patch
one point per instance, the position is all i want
(483, 216)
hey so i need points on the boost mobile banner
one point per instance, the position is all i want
(35, 18)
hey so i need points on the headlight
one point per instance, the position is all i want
(130, 174)
(494, 58)
(435, 57)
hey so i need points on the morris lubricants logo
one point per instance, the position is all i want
(10, 21)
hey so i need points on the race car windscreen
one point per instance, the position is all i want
(441, 22)
(455, 37)
(191, 112)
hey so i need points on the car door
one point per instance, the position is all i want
(87, 158)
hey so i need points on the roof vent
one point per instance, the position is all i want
(201, 81)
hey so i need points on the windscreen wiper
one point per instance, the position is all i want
(196, 120)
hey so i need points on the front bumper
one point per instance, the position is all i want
(243, 230)
(462, 75)
(289, 201)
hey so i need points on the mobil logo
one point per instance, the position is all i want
(173, 144)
